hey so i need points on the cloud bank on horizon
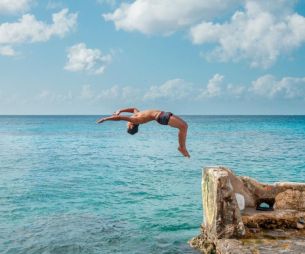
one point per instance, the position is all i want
(256, 37)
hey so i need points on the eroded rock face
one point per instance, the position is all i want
(232, 246)
(224, 220)
(277, 219)
(290, 199)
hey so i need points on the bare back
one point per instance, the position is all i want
(145, 116)
(140, 117)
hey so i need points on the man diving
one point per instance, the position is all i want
(141, 117)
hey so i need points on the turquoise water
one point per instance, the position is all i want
(68, 185)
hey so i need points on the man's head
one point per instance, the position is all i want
(132, 128)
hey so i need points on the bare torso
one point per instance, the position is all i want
(145, 116)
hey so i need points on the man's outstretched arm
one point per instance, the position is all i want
(128, 110)
(114, 118)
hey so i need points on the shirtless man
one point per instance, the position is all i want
(140, 117)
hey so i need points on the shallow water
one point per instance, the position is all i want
(68, 185)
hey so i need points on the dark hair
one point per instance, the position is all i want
(133, 130)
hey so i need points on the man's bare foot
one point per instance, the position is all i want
(184, 152)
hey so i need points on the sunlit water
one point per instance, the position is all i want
(68, 185)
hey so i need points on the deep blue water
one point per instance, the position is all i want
(68, 185)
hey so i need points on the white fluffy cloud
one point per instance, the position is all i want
(177, 89)
(54, 97)
(266, 86)
(213, 88)
(287, 87)
(165, 16)
(14, 6)
(115, 93)
(81, 58)
(7, 51)
(171, 89)
(55, 5)
(259, 34)
(236, 91)
(29, 30)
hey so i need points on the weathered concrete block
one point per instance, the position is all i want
(252, 225)
(221, 212)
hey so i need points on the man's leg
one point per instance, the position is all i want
(177, 122)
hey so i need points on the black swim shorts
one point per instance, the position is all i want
(164, 117)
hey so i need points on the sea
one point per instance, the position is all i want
(69, 185)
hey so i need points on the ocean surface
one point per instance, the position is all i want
(68, 185)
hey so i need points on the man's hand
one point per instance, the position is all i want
(116, 113)
(100, 120)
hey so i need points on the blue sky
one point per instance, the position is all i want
(184, 56)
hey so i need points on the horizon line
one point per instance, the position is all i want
(176, 114)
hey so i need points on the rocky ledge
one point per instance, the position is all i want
(242, 215)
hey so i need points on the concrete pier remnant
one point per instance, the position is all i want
(242, 215)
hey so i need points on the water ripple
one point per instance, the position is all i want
(68, 185)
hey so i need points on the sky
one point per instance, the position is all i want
(184, 56)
